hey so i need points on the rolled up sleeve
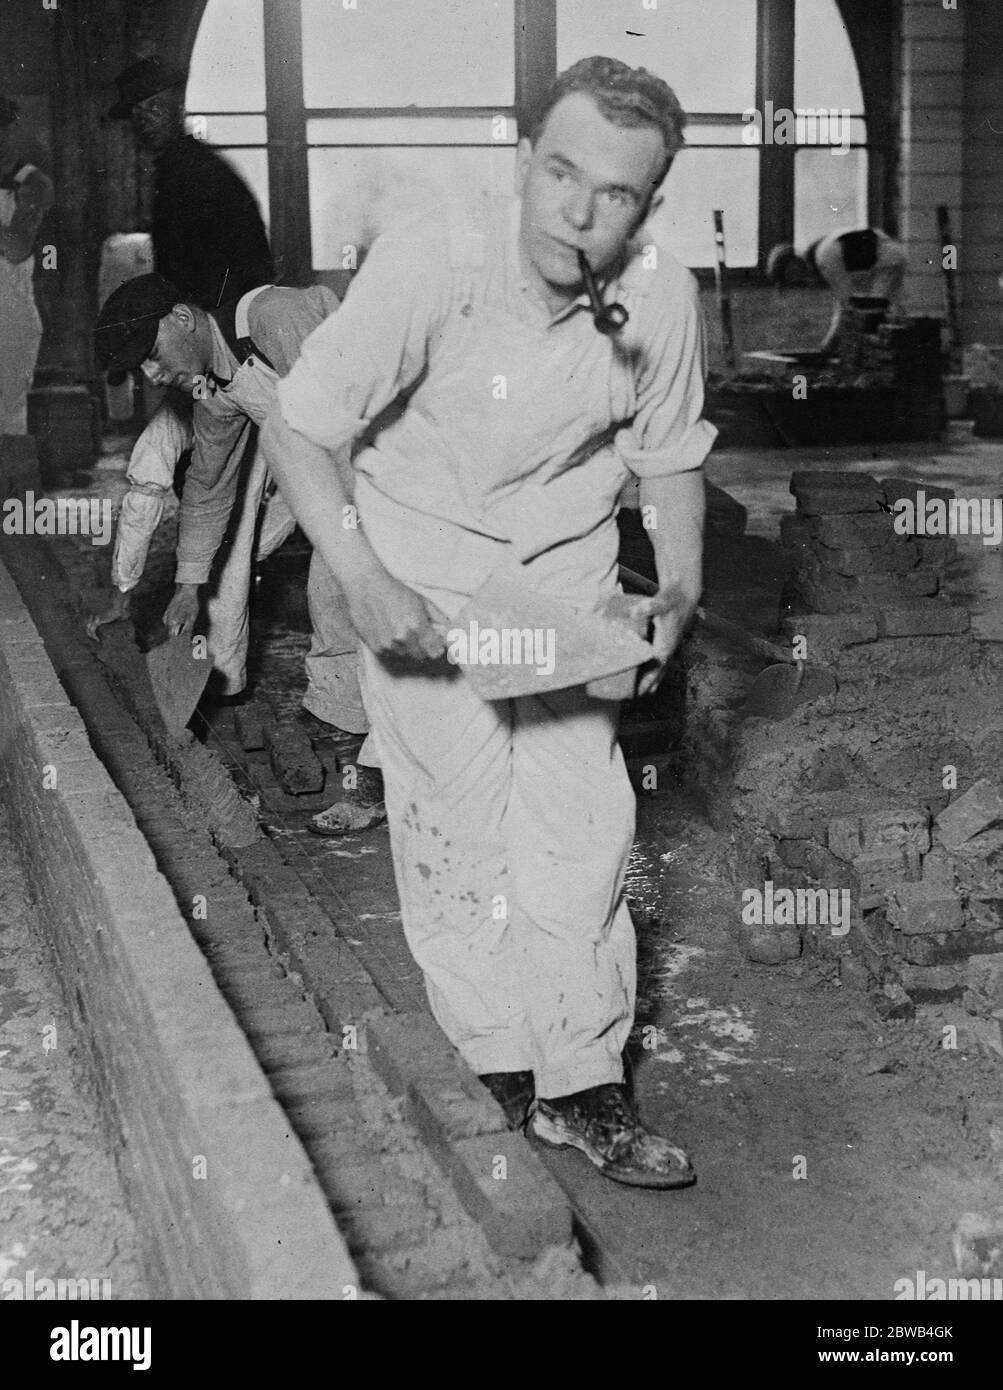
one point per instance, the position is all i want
(667, 433)
(361, 358)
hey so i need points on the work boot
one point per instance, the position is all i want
(514, 1091)
(359, 809)
(604, 1125)
(342, 740)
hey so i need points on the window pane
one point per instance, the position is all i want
(704, 49)
(357, 193)
(412, 130)
(825, 70)
(409, 52)
(228, 63)
(228, 130)
(700, 181)
(830, 192)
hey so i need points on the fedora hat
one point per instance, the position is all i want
(141, 80)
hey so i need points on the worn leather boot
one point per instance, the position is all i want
(604, 1125)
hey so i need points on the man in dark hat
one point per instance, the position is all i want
(25, 196)
(208, 236)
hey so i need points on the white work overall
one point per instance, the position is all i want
(20, 325)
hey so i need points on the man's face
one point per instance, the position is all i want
(156, 121)
(178, 356)
(586, 185)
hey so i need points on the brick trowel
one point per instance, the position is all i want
(179, 669)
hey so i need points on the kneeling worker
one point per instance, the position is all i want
(231, 361)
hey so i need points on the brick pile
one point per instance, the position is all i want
(880, 789)
(904, 355)
(849, 560)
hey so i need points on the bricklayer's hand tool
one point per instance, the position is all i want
(779, 689)
(509, 640)
(178, 677)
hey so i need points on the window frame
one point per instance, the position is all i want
(872, 29)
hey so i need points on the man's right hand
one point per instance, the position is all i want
(392, 620)
(183, 609)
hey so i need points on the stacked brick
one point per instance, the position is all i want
(941, 932)
(905, 355)
(849, 561)
(924, 871)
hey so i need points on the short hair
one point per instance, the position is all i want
(626, 96)
(784, 267)
(10, 112)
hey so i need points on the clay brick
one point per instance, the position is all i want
(977, 809)
(933, 948)
(854, 532)
(937, 552)
(834, 501)
(250, 722)
(924, 907)
(895, 558)
(984, 981)
(923, 619)
(803, 479)
(932, 982)
(795, 531)
(876, 869)
(851, 835)
(829, 633)
(896, 489)
(293, 760)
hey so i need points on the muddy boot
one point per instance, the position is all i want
(360, 809)
(604, 1125)
(513, 1090)
(343, 741)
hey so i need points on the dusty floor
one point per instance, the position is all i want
(62, 1214)
(834, 1152)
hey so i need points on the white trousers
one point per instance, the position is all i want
(511, 824)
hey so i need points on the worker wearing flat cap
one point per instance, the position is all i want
(230, 361)
(25, 196)
(860, 261)
(516, 427)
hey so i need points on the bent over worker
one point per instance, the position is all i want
(511, 821)
(861, 261)
(230, 361)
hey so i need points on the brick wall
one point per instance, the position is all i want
(177, 1078)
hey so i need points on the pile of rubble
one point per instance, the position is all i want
(875, 789)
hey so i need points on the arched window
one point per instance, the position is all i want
(341, 113)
